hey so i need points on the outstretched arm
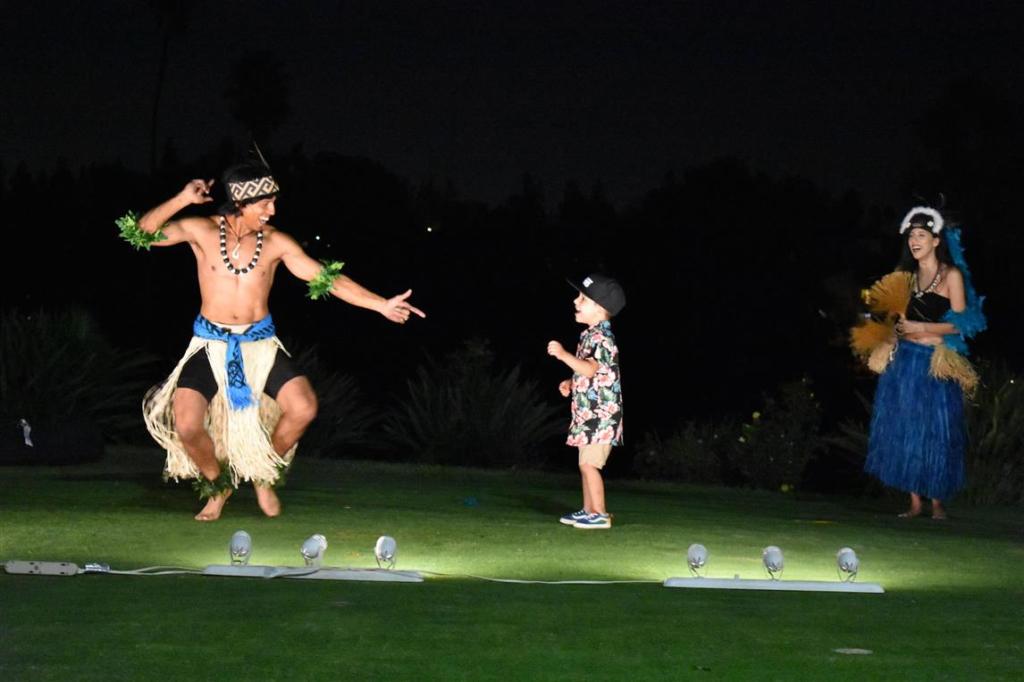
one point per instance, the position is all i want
(159, 217)
(397, 308)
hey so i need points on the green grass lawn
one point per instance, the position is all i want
(953, 608)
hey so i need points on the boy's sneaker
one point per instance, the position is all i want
(594, 522)
(570, 519)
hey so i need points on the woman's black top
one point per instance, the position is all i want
(929, 307)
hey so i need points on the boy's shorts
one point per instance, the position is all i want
(595, 455)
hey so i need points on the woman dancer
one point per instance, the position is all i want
(929, 308)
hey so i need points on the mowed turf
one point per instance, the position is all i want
(952, 608)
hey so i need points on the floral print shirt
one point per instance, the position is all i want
(597, 400)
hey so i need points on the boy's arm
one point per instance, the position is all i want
(587, 368)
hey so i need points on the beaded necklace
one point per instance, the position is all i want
(224, 250)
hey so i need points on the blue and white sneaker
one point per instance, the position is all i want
(570, 519)
(594, 522)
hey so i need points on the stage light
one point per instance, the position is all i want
(313, 549)
(696, 557)
(240, 548)
(848, 563)
(771, 557)
(385, 550)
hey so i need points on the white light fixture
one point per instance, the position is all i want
(771, 557)
(240, 548)
(848, 563)
(385, 550)
(313, 549)
(696, 557)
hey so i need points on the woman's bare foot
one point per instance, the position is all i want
(915, 507)
(938, 513)
(268, 500)
(214, 506)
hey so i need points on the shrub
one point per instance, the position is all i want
(345, 422)
(995, 428)
(464, 410)
(61, 376)
(698, 453)
(775, 447)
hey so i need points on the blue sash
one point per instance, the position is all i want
(239, 392)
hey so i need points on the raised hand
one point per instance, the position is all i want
(397, 309)
(555, 349)
(198, 191)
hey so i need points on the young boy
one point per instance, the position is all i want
(596, 393)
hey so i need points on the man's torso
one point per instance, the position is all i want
(228, 297)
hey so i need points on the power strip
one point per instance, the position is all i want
(41, 568)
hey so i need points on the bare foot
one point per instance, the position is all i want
(268, 501)
(911, 513)
(213, 508)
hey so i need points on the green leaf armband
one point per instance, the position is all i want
(135, 235)
(320, 285)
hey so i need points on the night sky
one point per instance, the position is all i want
(479, 93)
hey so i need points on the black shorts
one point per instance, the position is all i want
(198, 375)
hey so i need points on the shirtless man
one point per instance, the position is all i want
(237, 253)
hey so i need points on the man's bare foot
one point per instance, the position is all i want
(267, 498)
(214, 506)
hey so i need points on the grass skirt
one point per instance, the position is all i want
(241, 438)
(917, 436)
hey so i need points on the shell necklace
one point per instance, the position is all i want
(234, 253)
(918, 293)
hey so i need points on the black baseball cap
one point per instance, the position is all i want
(603, 290)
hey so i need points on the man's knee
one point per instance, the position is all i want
(190, 429)
(190, 416)
(302, 407)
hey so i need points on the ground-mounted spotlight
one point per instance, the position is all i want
(696, 558)
(847, 563)
(771, 557)
(385, 550)
(313, 549)
(240, 548)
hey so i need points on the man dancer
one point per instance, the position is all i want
(234, 408)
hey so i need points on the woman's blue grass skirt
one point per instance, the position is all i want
(917, 436)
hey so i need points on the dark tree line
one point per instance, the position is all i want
(737, 281)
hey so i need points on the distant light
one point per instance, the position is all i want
(313, 549)
(240, 548)
(848, 563)
(386, 550)
(318, 237)
(771, 557)
(429, 228)
(696, 557)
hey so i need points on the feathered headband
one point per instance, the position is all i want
(935, 222)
